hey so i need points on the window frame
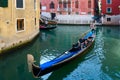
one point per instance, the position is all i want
(52, 5)
(108, 19)
(77, 4)
(23, 4)
(89, 4)
(64, 4)
(108, 11)
(17, 26)
(35, 5)
(108, 1)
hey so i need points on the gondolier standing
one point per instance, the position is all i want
(92, 26)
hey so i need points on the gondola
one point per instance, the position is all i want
(61, 60)
(47, 28)
(52, 22)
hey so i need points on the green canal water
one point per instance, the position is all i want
(101, 63)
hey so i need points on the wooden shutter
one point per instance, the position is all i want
(3, 3)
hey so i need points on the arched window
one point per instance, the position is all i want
(52, 6)
(65, 4)
(89, 3)
(60, 3)
(76, 4)
(69, 3)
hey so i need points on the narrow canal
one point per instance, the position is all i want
(101, 63)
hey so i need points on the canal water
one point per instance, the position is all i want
(101, 63)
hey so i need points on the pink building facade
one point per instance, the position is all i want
(64, 7)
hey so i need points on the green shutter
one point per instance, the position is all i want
(0, 3)
(3, 3)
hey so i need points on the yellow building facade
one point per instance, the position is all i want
(19, 22)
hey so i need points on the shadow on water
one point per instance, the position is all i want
(110, 64)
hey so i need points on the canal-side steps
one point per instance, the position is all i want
(9, 44)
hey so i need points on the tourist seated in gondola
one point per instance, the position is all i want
(89, 40)
(81, 40)
(85, 43)
(75, 47)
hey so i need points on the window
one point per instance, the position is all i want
(109, 1)
(69, 13)
(69, 4)
(109, 10)
(76, 4)
(65, 4)
(52, 5)
(20, 24)
(60, 1)
(35, 21)
(108, 19)
(89, 12)
(35, 4)
(19, 4)
(40, 5)
(43, 8)
(60, 4)
(60, 12)
(89, 3)
(77, 13)
(3, 3)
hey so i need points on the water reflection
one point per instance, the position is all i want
(101, 63)
(111, 31)
(111, 49)
(45, 34)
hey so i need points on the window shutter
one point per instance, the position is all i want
(3, 3)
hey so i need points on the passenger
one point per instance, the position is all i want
(75, 47)
(82, 43)
(85, 43)
(90, 39)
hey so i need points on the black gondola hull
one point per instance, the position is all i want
(47, 28)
